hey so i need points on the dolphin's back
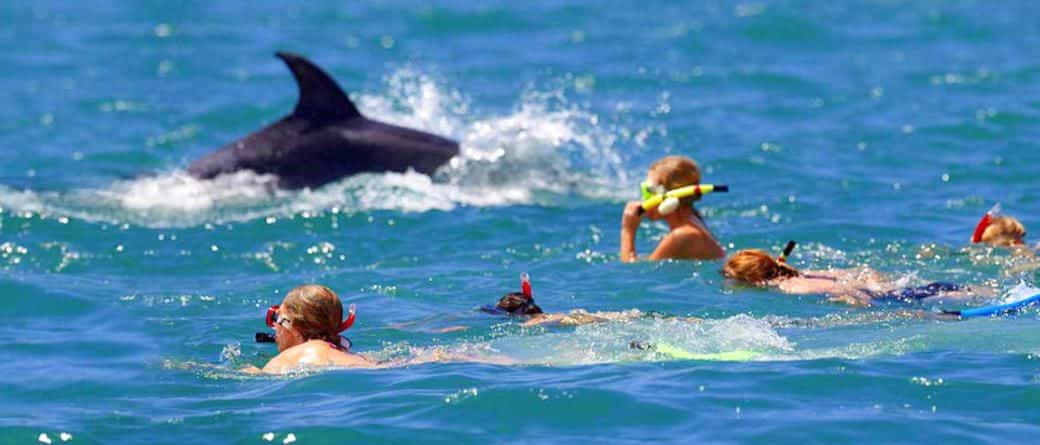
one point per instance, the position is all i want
(324, 139)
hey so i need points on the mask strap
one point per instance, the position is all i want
(269, 318)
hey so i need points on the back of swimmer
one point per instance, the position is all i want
(521, 304)
(307, 327)
(860, 286)
(688, 236)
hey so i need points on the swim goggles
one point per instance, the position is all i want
(273, 318)
(984, 223)
(666, 201)
(522, 309)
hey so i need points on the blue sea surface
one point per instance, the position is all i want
(873, 132)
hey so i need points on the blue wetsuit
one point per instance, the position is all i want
(916, 293)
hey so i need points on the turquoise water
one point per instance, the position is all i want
(872, 132)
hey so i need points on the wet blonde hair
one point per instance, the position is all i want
(756, 266)
(315, 311)
(675, 172)
(1005, 231)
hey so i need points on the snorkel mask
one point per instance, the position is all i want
(667, 201)
(507, 305)
(984, 222)
(272, 319)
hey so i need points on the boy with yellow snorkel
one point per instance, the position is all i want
(671, 187)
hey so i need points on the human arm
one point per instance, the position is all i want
(252, 370)
(578, 317)
(543, 319)
(630, 219)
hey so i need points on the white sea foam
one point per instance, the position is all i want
(1020, 292)
(609, 342)
(542, 152)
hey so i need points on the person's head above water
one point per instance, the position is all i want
(757, 267)
(1004, 231)
(309, 312)
(670, 173)
(996, 229)
(517, 303)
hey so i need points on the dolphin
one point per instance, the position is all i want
(325, 138)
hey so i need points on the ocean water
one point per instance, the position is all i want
(874, 132)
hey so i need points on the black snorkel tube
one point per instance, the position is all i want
(263, 337)
(787, 251)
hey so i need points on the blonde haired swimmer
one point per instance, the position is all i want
(860, 286)
(671, 187)
(998, 230)
(307, 328)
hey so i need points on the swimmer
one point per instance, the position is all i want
(307, 328)
(859, 287)
(998, 230)
(521, 304)
(688, 236)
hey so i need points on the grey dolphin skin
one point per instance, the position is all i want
(325, 138)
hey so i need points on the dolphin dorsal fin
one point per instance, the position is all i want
(320, 97)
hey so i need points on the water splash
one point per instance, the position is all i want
(543, 152)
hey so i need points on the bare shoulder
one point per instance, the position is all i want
(689, 232)
(314, 354)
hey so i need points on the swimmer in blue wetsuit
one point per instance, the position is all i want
(859, 287)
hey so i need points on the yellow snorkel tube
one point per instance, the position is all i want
(667, 201)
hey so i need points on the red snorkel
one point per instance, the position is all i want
(525, 286)
(350, 319)
(984, 222)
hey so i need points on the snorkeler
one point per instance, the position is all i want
(859, 286)
(521, 304)
(307, 328)
(997, 230)
(671, 187)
